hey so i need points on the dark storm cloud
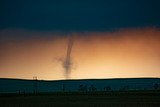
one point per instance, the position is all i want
(78, 15)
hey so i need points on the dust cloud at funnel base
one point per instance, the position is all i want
(120, 54)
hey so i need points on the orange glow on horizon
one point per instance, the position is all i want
(121, 54)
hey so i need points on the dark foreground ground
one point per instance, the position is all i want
(95, 99)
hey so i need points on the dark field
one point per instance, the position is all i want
(77, 99)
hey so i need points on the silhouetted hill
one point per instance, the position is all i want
(29, 86)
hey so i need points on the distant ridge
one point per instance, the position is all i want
(82, 79)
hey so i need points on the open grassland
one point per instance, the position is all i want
(83, 99)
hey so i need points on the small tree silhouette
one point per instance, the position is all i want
(82, 88)
(63, 87)
(156, 86)
(92, 88)
(124, 88)
(107, 88)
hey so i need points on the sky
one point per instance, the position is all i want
(112, 38)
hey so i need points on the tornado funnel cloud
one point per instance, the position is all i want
(68, 62)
